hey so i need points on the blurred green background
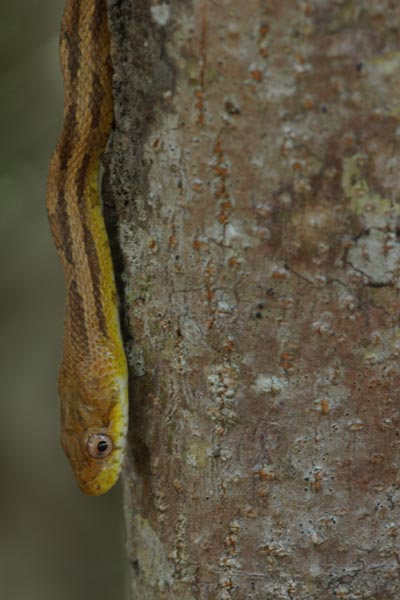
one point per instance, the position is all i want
(54, 541)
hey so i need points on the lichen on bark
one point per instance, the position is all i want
(254, 179)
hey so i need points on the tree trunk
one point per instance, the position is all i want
(253, 184)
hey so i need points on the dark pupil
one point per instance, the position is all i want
(102, 446)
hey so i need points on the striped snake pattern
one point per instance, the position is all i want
(92, 379)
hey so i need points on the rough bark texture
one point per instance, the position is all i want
(255, 174)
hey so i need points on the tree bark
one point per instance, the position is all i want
(253, 191)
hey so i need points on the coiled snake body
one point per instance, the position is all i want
(93, 373)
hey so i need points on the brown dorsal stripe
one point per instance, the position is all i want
(78, 327)
(96, 101)
(62, 223)
(72, 38)
(89, 243)
(100, 18)
(65, 150)
(94, 266)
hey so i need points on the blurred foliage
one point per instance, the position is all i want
(54, 542)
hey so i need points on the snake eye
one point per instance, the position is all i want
(99, 445)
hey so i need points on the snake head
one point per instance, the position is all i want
(93, 430)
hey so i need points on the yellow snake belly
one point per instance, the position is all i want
(92, 380)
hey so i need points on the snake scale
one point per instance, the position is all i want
(92, 379)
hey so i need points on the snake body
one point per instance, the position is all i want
(92, 379)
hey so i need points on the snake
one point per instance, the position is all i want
(93, 375)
